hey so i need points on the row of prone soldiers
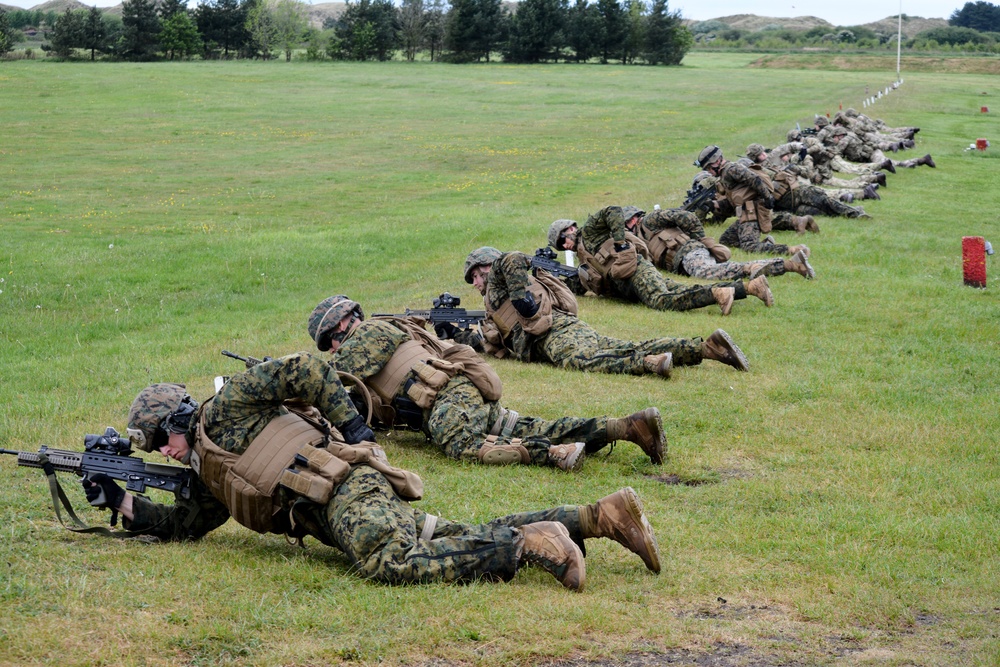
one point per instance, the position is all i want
(283, 447)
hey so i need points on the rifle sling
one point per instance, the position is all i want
(59, 497)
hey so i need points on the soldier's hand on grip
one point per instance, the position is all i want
(102, 491)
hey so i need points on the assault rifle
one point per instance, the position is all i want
(545, 259)
(445, 308)
(107, 454)
(249, 361)
(699, 198)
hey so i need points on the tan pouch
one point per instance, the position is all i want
(432, 374)
(308, 485)
(591, 280)
(477, 370)
(422, 395)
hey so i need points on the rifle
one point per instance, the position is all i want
(249, 361)
(107, 454)
(545, 259)
(445, 308)
(699, 198)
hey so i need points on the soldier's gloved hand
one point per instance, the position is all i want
(526, 307)
(102, 491)
(768, 202)
(445, 330)
(803, 153)
(356, 430)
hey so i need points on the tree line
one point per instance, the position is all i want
(625, 31)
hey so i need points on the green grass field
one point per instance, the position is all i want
(839, 504)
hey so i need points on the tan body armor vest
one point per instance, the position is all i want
(549, 293)
(606, 262)
(434, 362)
(744, 198)
(292, 452)
(666, 247)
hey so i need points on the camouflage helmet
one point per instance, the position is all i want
(699, 178)
(851, 112)
(794, 135)
(480, 257)
(327, 315)
(821, 121)
(149, 410)
(754, 151)
(629, 212)
(556, 229)
(707, 156)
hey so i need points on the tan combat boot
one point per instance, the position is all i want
(720, 347)
(548, 545)
(567, 457)
(619, 517)
(645, 429)
(759, 288)
(799, 264)
(799, 248)
(754, 269)
(724, 297)
(811, 224)
(659, 364)
(801, 223)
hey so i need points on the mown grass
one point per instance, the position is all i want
(842, 498)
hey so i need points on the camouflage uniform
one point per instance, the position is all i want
(570, 343)
(746, 235)
(647, 286)
(378, 531)
(693, 258)
(460, 419)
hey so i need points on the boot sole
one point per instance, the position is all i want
(744, 365)
(634, 506)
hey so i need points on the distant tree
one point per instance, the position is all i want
(492, 27)
(583, 30)
(6, 34)
(95, 32)
(667, 39)
(982, 16)
(68, 32)
(434, 27)
(367, 30)
(954, 36)
(706, 27)
(140, 30)
(23, 18)
(460, 31)
(222, 25)
(635, 30)
(411, 27)
(260, 30)
(613, 27)
(291, 23)
(536, 31)
(179, 36)
(168, 8)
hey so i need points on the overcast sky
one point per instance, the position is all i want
(837, 12)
